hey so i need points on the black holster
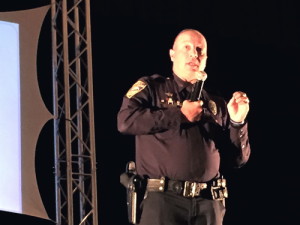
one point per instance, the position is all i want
(135, 189)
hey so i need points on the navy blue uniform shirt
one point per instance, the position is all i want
(167, 144)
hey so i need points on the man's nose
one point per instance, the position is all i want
(193, 53)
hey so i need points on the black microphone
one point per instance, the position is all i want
(196, 91)
(198, 87)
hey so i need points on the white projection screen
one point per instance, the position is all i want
(22, 111)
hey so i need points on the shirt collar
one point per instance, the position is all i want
(181, 83)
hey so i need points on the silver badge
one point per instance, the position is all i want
(212, 107)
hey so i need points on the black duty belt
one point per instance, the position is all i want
(216, 188)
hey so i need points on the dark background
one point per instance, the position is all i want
(253, 46)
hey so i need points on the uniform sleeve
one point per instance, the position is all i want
(239, 137)
(139, 114)
(235, 147)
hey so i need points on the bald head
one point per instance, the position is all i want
(189, 32)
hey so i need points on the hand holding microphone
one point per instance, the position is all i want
(192, 108)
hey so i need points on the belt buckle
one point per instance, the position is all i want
(192, 189)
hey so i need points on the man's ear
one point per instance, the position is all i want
(171, 53)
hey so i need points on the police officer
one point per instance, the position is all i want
(180, 142)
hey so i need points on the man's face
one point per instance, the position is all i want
(189, 55)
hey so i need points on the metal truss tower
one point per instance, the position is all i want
(74, 132)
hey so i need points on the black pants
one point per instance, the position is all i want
(167, 208)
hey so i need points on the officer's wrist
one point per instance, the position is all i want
(237, 124)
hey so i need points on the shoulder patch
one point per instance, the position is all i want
(136, 88)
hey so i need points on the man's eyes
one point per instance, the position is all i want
(198, 49)
(187, 47)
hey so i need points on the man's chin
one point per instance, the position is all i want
(193, 81)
